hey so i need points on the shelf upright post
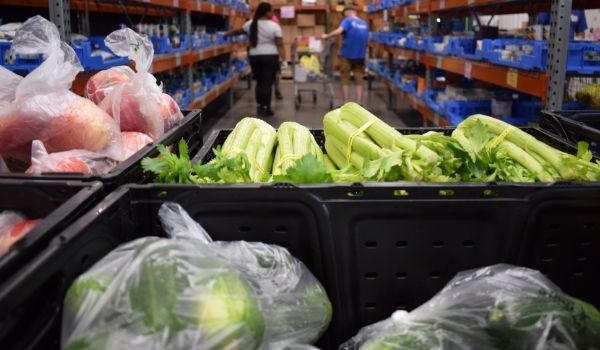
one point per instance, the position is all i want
(560, 25)
(390, 57)
(229, 59)
(60, 15)
(186, 28)
(429, 73)
(85, 19)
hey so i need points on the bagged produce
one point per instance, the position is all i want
(189, 292)
(133, 99)
(496, 307)
(41, 107)
(13, 226)
(134, 141)
(75, 161)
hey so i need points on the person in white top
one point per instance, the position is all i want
(266, 52)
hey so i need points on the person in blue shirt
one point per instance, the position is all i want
(355, 34)
(578, 22)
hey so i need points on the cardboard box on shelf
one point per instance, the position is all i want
(289, 33)
(305, 20)
(306, 32)
(319, 30)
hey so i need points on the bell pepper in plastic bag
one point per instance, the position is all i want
(133, 99)
(188, 292)
(13, 226)
(496, 307)
(41, 107)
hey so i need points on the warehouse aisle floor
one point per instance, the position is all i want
(309, 114)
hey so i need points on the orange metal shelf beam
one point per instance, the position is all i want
(163, 63)
(217, 91)
(429, 116)
(533, 83)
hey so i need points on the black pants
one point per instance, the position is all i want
(264, 69)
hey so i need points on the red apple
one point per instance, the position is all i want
(102, 83)
(169, 110)
(81, 126)
(134, 141)
(14, 230)
(69, 164)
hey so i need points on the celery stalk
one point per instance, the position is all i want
(384, 135)
(328, 163)
(335, 127)
(356, 159)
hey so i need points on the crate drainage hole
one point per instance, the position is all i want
(550, 243)
(585, 243)
(371, 275)
(588, 226)
(437, 244)
(401, 275)
(281, 229)
(370, 244)
(245, 229)
(401, 193)
(356, 193)
(370, 305)
(490, 193)
(547, 258)
(434, 275)
(401, 244)
(581, 258)
(401, 306)
(446, 193)
(578, 273)
(468, 244)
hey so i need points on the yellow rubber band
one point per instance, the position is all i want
(286, 158)
(498, 139)
(353, 135)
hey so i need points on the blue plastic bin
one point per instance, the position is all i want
(93, 63)
(455, 109)
(19, 63)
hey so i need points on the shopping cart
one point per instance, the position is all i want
(324, 50)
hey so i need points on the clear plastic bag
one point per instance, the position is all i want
(134, 141)
(13, 226)
(40, 106)
(188, 292)
(3, 167)
(76, 161)
(496, 307)
(133, 99)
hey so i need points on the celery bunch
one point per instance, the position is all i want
(360, 147)
(499, 151)
(256, 139)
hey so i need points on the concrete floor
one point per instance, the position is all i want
(309, 114)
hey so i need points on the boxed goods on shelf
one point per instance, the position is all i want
(53, 205)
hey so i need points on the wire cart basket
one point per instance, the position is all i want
(324, 50)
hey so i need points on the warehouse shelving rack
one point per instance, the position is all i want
(548, 85)
(60, 14)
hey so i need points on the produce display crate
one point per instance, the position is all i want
(397, 244)
(130, 170)
(574, 126)
(58, 204)
(31, 301)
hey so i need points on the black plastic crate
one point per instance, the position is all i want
(574, 126)
(397, 244)
(31, 301)
(130, 170)
(58, 204)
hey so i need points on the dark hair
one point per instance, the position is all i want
(262, 9)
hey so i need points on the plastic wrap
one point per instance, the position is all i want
(13, 226)
(188, 292)
(133, 99)
(41, 106)
(3, 167)
(76, 161)
(496, 307)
